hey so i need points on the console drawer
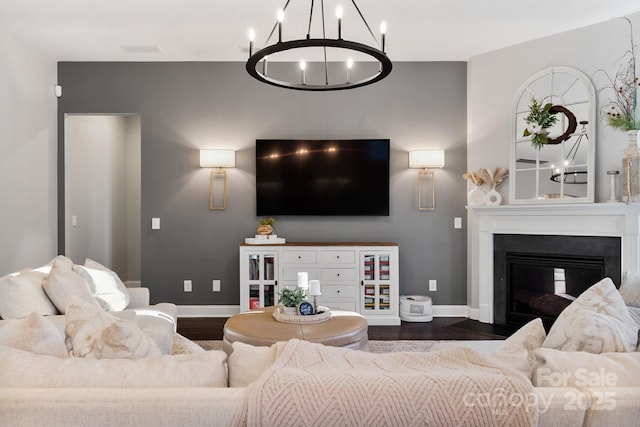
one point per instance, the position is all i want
(346, 306)
(338, 274)
(290, 274)
(334, 292)
(337, 257)
(299, 257)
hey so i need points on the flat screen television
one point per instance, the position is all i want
(322, 177)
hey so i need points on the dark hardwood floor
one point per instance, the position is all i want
(441, 328)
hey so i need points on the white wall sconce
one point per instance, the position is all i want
(218, 159)
(426, 159)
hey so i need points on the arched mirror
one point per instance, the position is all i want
(553, 145)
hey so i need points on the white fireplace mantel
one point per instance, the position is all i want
(590, 219)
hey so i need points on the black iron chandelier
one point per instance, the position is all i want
(331, 76)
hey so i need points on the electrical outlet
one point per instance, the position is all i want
(433, 285)
(216, 286)
(457, 222)
(187, 285)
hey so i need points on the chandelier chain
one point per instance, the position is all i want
(365, 22)
(324, 36)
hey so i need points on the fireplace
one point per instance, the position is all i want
(616, 220)
(540, 275)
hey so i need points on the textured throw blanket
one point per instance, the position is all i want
(315, 385)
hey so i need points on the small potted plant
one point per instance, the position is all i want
(266, 226)
(290, 298)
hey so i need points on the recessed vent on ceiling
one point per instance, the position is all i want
(141, 49)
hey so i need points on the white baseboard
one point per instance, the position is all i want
(450, 311)
(208, 310)
(230, 310)
(474, 313)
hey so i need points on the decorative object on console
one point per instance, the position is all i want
(322, 315)
(303, 280)
(266, 226)
(426, 159)
(612, 185)
(622, 111)
(314, 291)
(631, 169)
(493, 179)
(218, 159)
(478, 196)
(335, 47)
(290, 298)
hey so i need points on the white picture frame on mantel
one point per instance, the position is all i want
(562, 172)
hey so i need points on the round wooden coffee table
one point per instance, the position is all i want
(258, 327)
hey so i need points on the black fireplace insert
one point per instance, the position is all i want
(540, 275)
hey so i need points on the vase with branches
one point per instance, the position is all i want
(621, 112)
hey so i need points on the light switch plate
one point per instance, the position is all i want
(433, 285)
(216, 286)
(155, 223)
(187, 286)
(457, 222)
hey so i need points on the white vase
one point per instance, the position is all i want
(631, 169)
(492, 198)
(476, 197)
(291, 310)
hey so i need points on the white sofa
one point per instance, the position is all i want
(45, 292)
(192, 387)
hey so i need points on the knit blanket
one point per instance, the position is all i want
(315, 385)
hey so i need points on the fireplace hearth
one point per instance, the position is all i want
(540, 275)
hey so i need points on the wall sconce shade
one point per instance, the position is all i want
(218, 159)
(426, 159)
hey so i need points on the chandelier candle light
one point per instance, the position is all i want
(331, 82)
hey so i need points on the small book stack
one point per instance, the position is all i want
(265, 239)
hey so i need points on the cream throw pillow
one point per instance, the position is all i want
(27, 370)
(517, 350)
(182, 345)
(63, 283)
(34, 333)
(555, 368)
(630, 289)
(597, 321)
(89, 263)
(104, 288)
(247, 362)
(22, 293)
(93, 333)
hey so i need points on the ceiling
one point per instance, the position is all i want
(213, 30)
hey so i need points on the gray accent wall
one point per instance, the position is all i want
(188, 106)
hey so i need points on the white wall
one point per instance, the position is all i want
(494, 79)
(28, 140)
